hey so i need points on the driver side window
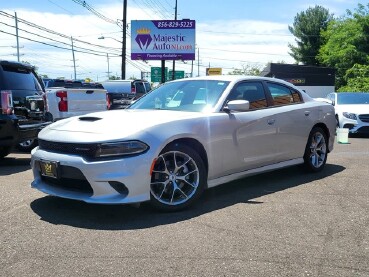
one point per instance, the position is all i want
(250, 91)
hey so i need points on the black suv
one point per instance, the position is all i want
(122, 92)
(22, 105)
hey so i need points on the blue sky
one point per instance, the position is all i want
(229, 34)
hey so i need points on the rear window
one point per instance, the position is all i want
(18, 78)
(117, 87)
(147, 86)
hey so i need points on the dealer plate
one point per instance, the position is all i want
(49, 169)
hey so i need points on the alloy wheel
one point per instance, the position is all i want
(318, 150)
(175, 178)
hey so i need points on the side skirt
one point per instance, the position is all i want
(239, 175)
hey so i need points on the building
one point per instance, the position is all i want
(314, 80)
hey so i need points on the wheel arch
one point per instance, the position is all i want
(325, 129)
(196, 145)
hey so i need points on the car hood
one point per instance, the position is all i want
(357, 108)
(111, 125)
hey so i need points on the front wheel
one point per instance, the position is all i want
(27, 145)
(178, 178)
(316, 150)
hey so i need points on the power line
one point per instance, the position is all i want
(91, 9)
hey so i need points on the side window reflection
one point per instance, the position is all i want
(250, 91)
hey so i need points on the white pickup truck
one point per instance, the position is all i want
(64, 102)
(67, 100)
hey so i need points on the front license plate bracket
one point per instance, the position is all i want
(49, 169)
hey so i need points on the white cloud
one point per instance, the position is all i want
(240, 41)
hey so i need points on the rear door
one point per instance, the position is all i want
(292, 116)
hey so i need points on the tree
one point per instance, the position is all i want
(113, 77)
(346, 43)
(357, 79)
(246, 70)
(307, 27)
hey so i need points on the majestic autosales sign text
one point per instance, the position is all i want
(163, 40)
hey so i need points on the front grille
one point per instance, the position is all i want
(364, 130)
(71, 179)
(364, 117)
(81, 149)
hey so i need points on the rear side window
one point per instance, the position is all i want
(18, 78)
(283, 95)
(147, 86)
(140, 87)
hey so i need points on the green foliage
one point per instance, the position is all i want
(346, 44)
(357, 79)
(246, 70)
(114, 77)
(307, 27)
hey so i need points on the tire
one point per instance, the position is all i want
(27, 145)
(316, 150)
(4, 151)
(178, 178)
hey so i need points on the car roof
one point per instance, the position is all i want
(237, 78)
(18, 64)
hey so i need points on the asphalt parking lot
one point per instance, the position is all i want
(283, 223)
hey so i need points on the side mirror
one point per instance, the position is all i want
(238, 105)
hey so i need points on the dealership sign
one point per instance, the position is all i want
(163, 40)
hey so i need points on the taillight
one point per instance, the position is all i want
(63, 102)
(108, 103)
(133, 89)
(45, 102)
(7, 102)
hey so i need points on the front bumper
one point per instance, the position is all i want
(115, 181)
(355, 126)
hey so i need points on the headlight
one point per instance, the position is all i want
(123, 148)
(350, 115)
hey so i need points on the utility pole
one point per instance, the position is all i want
(107, 57)
(16, 33)
(174, 61)
(74, 60)
(198, 62)
(124, 42)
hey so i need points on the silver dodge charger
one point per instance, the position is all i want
(181, 138)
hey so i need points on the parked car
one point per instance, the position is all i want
(352, 110)
(22, 106)
(121, 93)
(73, 99)
(223, 128)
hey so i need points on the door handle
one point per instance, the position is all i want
(271, 121)
(307, 113)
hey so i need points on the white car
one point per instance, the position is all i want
(222, 129)
(352, 110)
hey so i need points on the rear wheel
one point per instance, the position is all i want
(316, 150)
(178, 178)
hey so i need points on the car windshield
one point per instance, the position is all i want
(186, 95)
(352, 98)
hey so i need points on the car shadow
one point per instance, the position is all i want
(359, 135)
(13, 165)
(127, 217)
